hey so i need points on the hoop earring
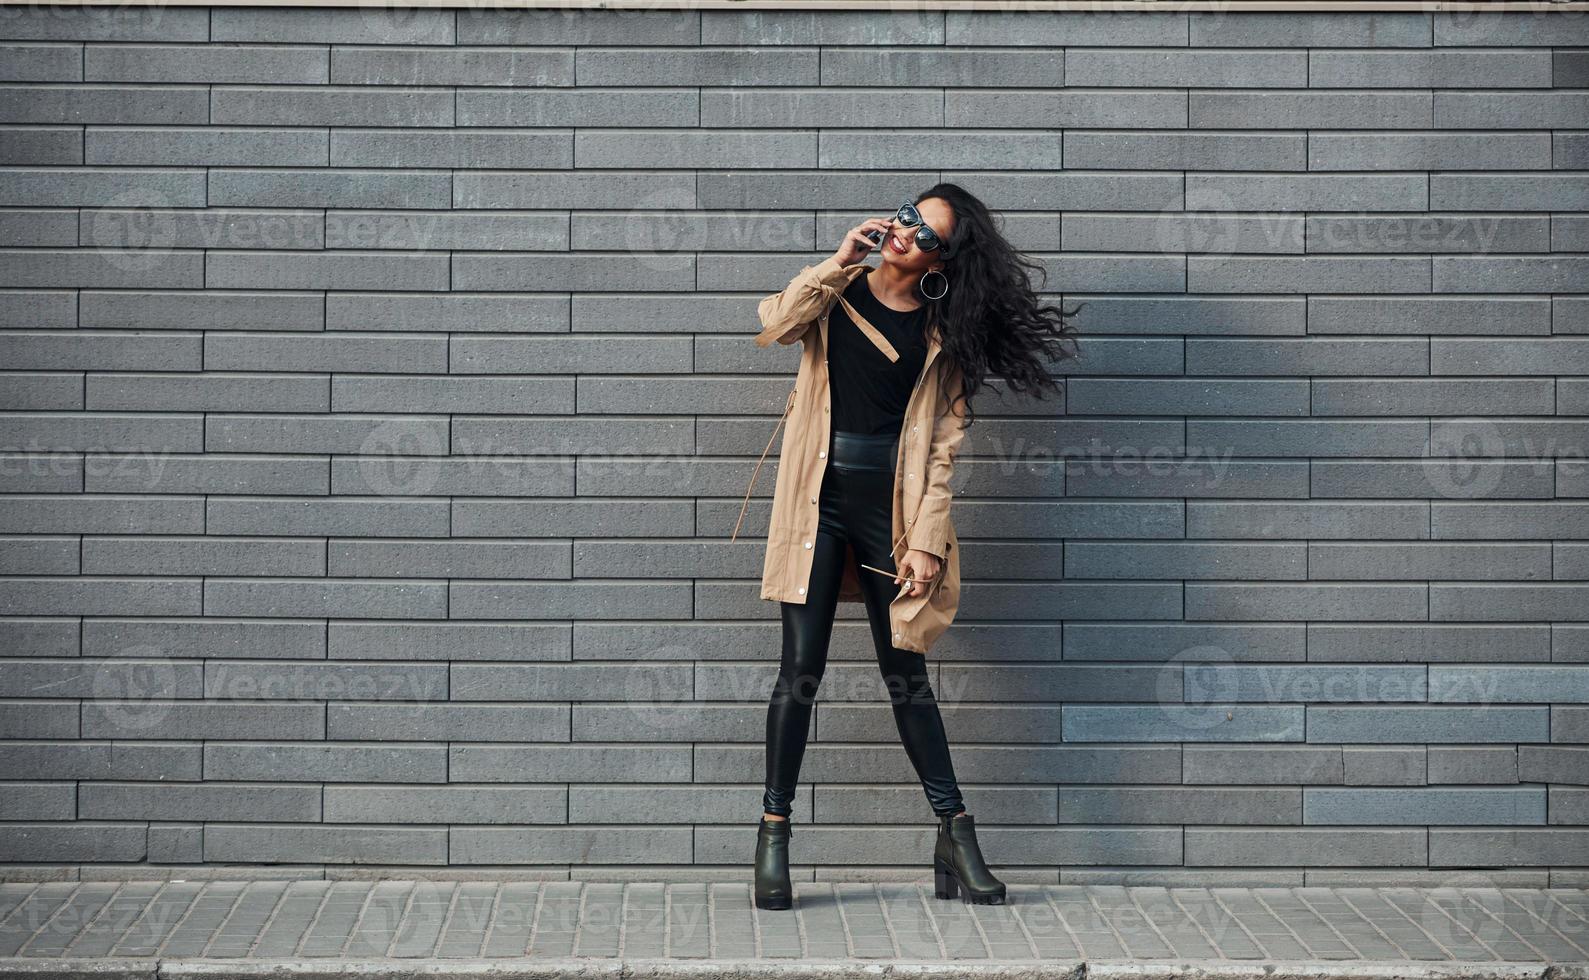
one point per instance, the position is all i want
(940, 275)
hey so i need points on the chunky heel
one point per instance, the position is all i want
(943, 881)
(958, 865)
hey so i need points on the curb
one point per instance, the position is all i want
(34, 968)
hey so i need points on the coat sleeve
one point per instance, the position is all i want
(786, 315)
(930, 532)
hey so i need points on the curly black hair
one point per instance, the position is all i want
(991, 320)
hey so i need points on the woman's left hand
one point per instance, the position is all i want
(921, 567)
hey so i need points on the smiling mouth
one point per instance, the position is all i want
(899, 247)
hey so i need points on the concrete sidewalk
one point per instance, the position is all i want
(308, 929)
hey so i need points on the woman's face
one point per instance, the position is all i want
(938, 216)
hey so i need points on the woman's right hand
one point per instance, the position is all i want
(856, 245)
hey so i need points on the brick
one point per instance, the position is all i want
(210, 638)
(1412, 724)
(101, 759)
(326, 681)
(1325, 601)
(39, 637)
(235, 146)
(85, 678)
(281, 843)
(398, 65)
(448, 640)
(1434, 68)
(207, 392)
(243, 310)
(589, 762)
(445, 804)
(1264, 847)
(202, 556)
(571, 682)
(351, 762)
(1265, 765)
(1553, 764)
(1177, 804)
(1310, 29)
(598, 845)
(38, 718)
(202, 720)
(1424, 806)
(428, 721)
(231, 63)
(71, 843)
(1313, 684)
(1505, 848)
(215, 801)
(1569, 725)
(82, 350)
(175, 843)
(927, 67)
(1375, 766)
(1468, 765)
(1427, 561)
(1427, 644)
(1182, 723)
(167, 105)
(1155, 642)
(290, 187)
(86, 24)
(39, 801)
(342, 598)
(1508, 684)
(1569, 806)
(329, 26)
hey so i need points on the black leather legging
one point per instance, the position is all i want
(855, 506)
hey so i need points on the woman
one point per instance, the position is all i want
(861, 504)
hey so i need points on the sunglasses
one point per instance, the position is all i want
(926, 239)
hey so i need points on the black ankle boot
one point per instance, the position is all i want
(957, 864)
(772, 865)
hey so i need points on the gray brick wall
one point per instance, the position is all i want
(378, 391)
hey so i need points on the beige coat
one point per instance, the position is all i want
(930, 436)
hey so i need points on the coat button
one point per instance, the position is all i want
(896, 636)
(822, 454)
(913, 428)
(808, 544)
(813, 500)
(801, 590)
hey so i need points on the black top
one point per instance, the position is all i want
(870, 392)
